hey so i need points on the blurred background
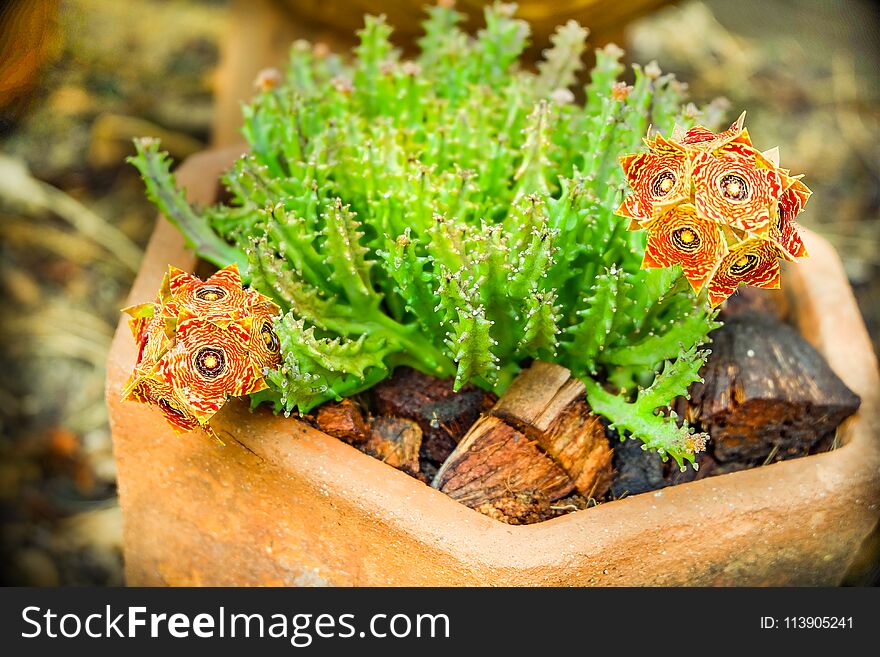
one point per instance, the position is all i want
(80, 78)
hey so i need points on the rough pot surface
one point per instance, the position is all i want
(284, 504)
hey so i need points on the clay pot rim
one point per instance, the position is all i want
(372, 485)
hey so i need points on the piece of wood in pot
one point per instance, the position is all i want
(549, 406)
(500, 472)
(343, 420)
(396, 441)
(766, 389)
(539, 443)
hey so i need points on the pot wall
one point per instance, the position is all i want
(284, 504)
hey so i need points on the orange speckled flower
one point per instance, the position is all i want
(208, 363)
(715, 205)
(733, 191)
(754, 261)
(658, 183)
(681, 237)
(200, 343)
(221, 294)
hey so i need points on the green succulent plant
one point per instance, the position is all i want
(454, 213)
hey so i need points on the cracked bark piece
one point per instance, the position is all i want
(343, 420)
(395, 441)
(539, 443)
(548, 405)
(766, 388)
(501, 473)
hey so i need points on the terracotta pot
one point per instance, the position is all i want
(283, 503)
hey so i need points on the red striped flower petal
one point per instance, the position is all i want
(209, 363)
(680, 237)
(732, 191)
(752, 262)
(739, 146)
(658, 183)
(796, 197)
(221, 294)
(176, 279)
(784, 231)
(633, 209)
(664, 147)
(698, 135)
(700, 138)
(153, 343)
(176, 415)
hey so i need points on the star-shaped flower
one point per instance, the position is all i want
(681, 237)
(199, 343)
(715, 205)
(659, 180)
(754, 261)
(732, 191)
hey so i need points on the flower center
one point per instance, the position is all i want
(734, 187)
(210, 362)
(744, 264)
(663, 184)
(210, 293)
(269, 337)
(686, 239)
